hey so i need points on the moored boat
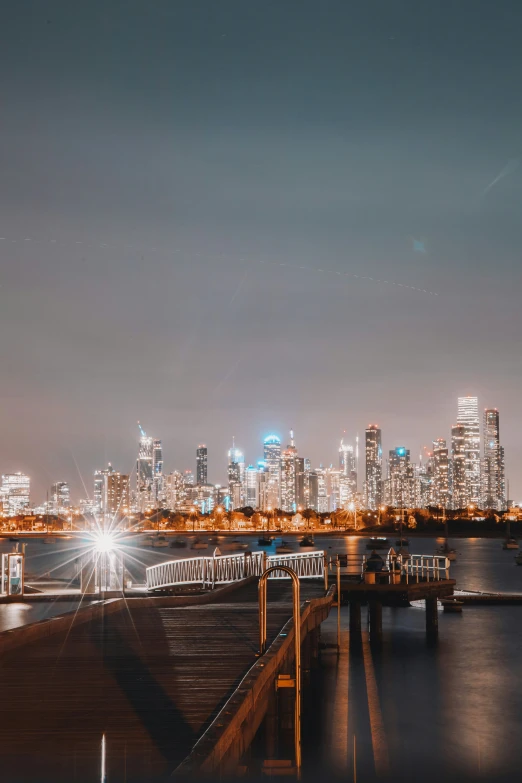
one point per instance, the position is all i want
(159, 541)
(510, 543)
(518, 558)
(198, 544)
(264, 541)
(178, 543)
(452, 605)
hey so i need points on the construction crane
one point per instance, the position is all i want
(143, 435)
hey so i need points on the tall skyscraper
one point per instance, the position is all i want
(100, 489)
(441, 474)
(401, 479)
(201, 465)
(60, 496)
(459, 483)
(251, 486)
(236, 476)
(373, 483)
(145, 472)
(158, 489)
(493, 482)
(174, 491)
(468, 417)
(15, 493)
(117, 493)
(272, 460)
(288, 476)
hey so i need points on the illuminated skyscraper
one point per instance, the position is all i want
(117, 494)
(15, 493)
(158, 487)
(468, 417)
(145, 472)
(236, 476)
(60, 496)
(288, 476)
(373, 484)
(441, 474)
(493, 482)
(459, 484)
(201, 465)
(100, 489)
(174, 491)
(251, 486)
(272, 460)
(401, 479)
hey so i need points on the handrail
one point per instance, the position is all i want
(296, 612)
(222, 569)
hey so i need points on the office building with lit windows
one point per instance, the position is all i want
(288, 477)
(441, 474)
(373, 483)
(15, 493)
(272, 460)
(460, 497)
(493, 481)
(401, 479)
(201, 465)
(468, 418)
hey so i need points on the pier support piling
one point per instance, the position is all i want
(375, 622)
(432, 618)
(355, 621)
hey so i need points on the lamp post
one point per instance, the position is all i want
(193, 515)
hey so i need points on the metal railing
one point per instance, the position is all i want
(296, 613)
(222, 569)
(411, 568)
(425, 567)
(307, 565)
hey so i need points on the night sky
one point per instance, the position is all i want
(160, 160)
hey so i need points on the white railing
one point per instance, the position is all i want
(307, 565)
(425, 567)
(413, 568)
(222, 569)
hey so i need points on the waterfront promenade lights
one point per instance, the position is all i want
(382, 509)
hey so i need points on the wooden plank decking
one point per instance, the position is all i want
(151, 679)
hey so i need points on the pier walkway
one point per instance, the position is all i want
(148, 674)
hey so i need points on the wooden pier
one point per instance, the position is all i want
(149, 674)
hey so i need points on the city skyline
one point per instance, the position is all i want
(474, 457)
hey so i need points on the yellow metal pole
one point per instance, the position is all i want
(296, 591)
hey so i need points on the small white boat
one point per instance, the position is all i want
(233, 546)
(510, 543)
(49, 540)
(452, 605)
(198, 544)
(159, 541)
(284, 549)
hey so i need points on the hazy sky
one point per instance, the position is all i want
(159, 160)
